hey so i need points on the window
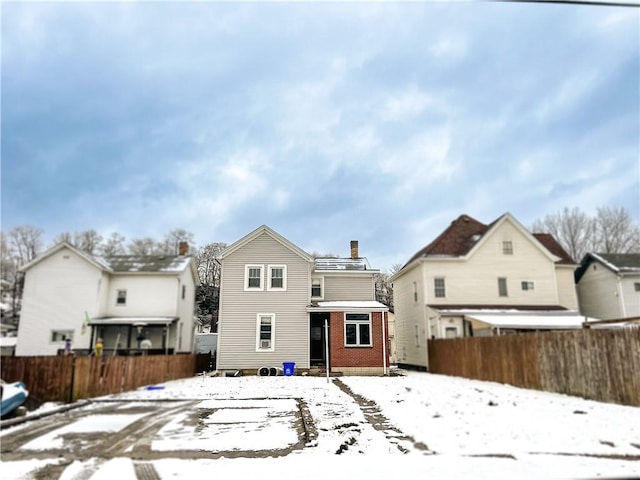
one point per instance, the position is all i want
(265, 338)
(417, 334)
(121, 297)
(184, 291)
(58, 336)
(438, 285)
(253, 277)
(450, 332)
(507, 247)
(357, 330)
(415, 292)
(502, 287)
(277, 277)
(316, 287)
(636, 286)
(527, 285)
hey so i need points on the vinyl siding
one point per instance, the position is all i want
(630, 297)
(598, 293)
(567, 294)
(239, 308)
(47, 303)
(410, 315)
(348, 287)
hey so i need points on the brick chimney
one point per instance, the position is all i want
(354, 249)
(183, 248)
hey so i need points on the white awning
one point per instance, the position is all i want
(531, 322)
(136, 321)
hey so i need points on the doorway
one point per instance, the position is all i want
(317, 345)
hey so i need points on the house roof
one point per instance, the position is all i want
(147, 263)
(465, 232)
(531, 322)
(342, 264)
(497, 308)
(348, 305)
(270, 232)
(619, 263)
(93, 260)
(133, 321)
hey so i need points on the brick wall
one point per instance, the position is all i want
(342, 356)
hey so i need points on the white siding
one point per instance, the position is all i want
(567, 294)
(410, 318)
(239, 308)
(599, 293)
(48, 305)
(145, 294)
(631, 297)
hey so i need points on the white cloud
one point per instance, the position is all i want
(452, 48)
(407, 104)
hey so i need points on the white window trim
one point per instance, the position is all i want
(524, 284)
(435, 287)
(507, 247)
(284, 278)
(246, 278)
(321, 287)
(63, 333)
(124, 304)
(506, 287)
(259, 317)
(358, 323)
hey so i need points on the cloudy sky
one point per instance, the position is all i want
(328, 122)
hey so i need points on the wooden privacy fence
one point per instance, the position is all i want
(601, 365)
(68, 378)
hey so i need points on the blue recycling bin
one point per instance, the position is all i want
(289, 368)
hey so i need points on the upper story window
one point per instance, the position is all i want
(58, 336)
(253, 277)
(636, 286)
(507, 247)
(316, 287)
(439, 288)
(502, 287)
(528, 285)
(277, 277)
(121, 297)
(266, 332)
(357, 330)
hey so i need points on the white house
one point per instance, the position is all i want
(123, 299)
(609, 285)
(477, 279)
(278, 304)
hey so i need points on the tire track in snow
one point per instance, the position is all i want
(373, 415)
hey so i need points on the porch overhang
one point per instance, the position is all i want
(348, 306)
(134, 321)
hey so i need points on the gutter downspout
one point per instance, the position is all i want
(384, 347)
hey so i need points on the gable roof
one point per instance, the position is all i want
(333, 263)
(118, 264)
(95, 261)
(619, 263)
(465, 233)
(271, 233)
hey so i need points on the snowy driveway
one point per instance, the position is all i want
(288, 425)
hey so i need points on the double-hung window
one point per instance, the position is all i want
(253, 277)
(265, 332)
(439, 289)
(277, 277)
(121, 297)
(502, 287)
(357, 330)
(527, 285)
(316, 287)
(507, 247)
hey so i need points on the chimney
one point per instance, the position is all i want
(354, 249)
(183, 248)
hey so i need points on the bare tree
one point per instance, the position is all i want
(144, 246)
(88, 241)
(611, 230)
(63, 237)
(172, 240)
(8, 264)
(384, 287)
(26, 242)
(573, 229)
(113, 245)
(615, 232)
(208, 267)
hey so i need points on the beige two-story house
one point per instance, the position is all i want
(476, 279)
(278, 304)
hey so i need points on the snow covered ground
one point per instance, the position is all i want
(418, 425)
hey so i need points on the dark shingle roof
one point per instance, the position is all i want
(341, 264)
(464, 232)
(616, 262)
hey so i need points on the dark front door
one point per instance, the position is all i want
(317, 343)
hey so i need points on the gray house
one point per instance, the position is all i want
(278, 304)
